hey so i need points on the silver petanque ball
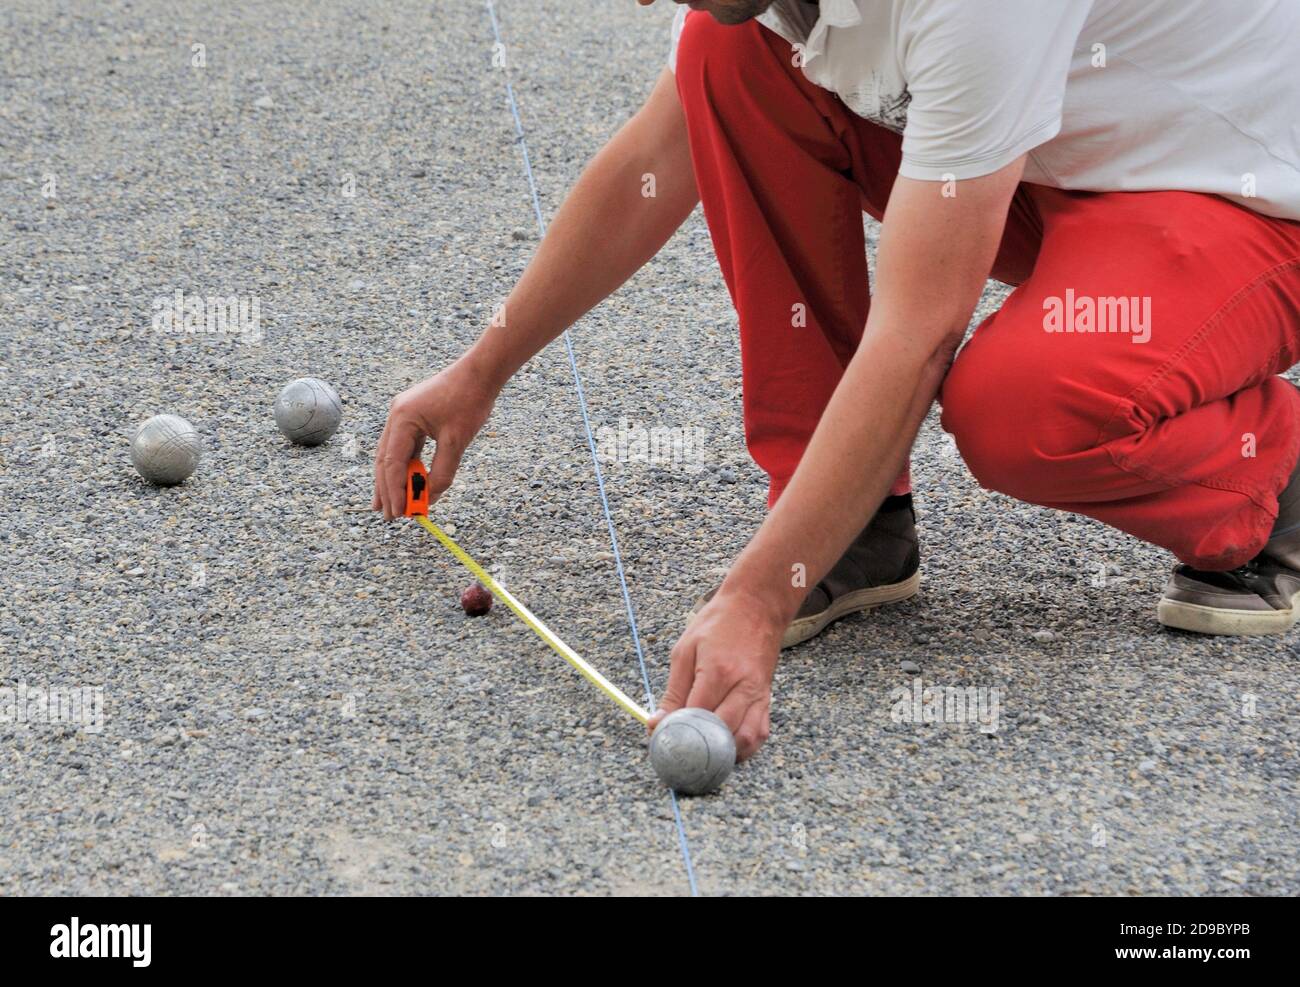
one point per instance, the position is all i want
(692, 751)
(308, 411)
(166, 449)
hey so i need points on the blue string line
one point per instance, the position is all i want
(595, 460)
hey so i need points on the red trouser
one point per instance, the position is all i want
(1184, 440)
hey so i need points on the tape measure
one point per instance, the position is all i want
(417, 507)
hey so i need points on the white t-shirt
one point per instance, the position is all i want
(1104, 95)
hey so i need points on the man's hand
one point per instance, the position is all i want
(450, 408)
(724, 663)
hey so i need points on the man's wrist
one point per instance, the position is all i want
(484, 370)
(766, 592)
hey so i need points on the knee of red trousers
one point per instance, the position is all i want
(1013, 434)
(1023, 431)
(728, 51)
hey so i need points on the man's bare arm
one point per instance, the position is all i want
(934, 258)
(603, 233)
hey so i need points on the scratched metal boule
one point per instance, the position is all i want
(308, 411)
(692, 751)
(166, 450)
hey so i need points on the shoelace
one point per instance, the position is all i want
(1251, 577)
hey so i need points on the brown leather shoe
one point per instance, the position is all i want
(881, 566)
(1260, 597)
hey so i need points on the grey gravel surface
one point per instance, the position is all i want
(294, 702)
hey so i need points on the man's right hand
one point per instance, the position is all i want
(450, 408)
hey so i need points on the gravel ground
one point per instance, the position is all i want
(293, 701)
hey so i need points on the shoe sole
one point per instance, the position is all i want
(803, 628)
(1216, 620)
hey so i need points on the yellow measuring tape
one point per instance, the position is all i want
(524, 614)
